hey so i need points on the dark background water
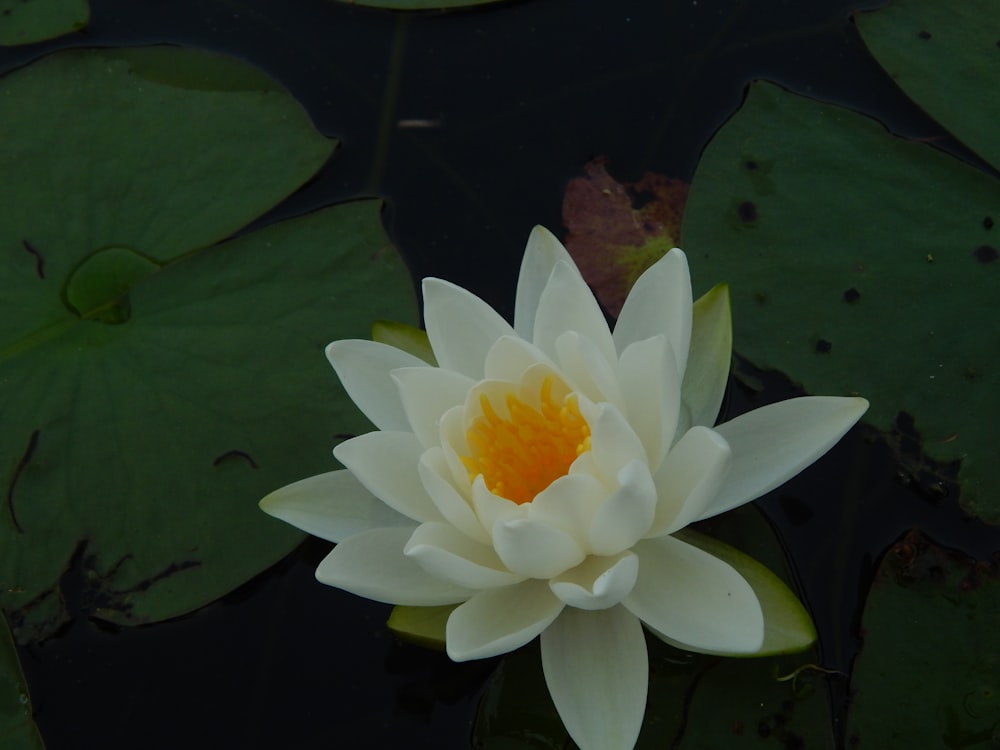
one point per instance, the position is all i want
(521, 96)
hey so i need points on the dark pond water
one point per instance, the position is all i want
(521, 95)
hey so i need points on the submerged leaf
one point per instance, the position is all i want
(929, 670)
(618, 230)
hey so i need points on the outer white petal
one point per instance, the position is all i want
(597, 582)
(386, 464)
(496, 621)
(597, 672)
(455, 507)
(540, 257)
(694, 598)
(461, 327)
(710, 356)
(332, 506)
(567, 304)
(372, 564)
(648, 375)
(625, 516)
(689, 480)
(774, 443)
(448, 554)
(659, 303)
(534, 549)
(427, 393)
(363, 368)
(587, 369)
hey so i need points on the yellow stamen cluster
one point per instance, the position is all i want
(522, 455)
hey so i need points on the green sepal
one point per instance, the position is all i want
(709, 356)
(423, 626)
(788, 628)
(410, 339)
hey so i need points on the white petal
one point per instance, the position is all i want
(597, 672)
(540, 257)
(497, 621)
(569, 503)
(587, 368)
(427, 393)
(534, 549)
(710, 356)
(448, 554)
(624, 518)
(689, 480)
(461, 327)
(774, 443)
(597, 582)
(613, 442)
(456, 508)
(659, 303)
(648, 376)
(694, 598)
(363, 368)
(510, 356)
(492, 509)
(386, 464)
(372, 564)
(332, 506)
(567, 304)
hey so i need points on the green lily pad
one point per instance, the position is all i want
(695, 701)
(17, 727)
(155, 385)
(945, 57)
(23, 22)
(859, 263)
(939, 686)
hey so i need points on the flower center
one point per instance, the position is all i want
(520, 456)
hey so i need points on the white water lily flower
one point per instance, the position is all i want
(538, 474)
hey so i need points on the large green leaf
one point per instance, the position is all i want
(17, 727)
(24, 22)
(859, 263)
(929, 671)
(154, 386)
(945, 57)
(695, 701)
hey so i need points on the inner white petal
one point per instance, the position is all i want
(534, 549)
(597, 582)
(448, 554)
(587, 368)
(427, 393)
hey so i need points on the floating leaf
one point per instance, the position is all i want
(859, 263)
(17, 727)
(23, 22)
(929, 672)
(945, 57)
(618, 230)
(154, 386)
